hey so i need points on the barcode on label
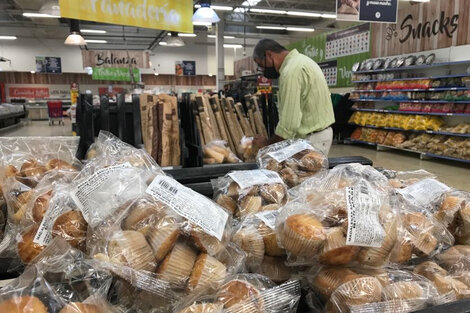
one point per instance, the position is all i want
(292, 149)
(272, 175)
(246, 179)
(167, 186)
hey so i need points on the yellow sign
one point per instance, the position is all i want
(174, 15)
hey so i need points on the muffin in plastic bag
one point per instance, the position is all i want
(295, 160)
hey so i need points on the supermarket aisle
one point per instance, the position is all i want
(39, 128)
(454, 174)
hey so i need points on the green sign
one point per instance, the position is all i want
(115, 73)
(336, 52)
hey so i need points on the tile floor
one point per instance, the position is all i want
(454, 174)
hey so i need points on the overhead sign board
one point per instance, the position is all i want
(115, 58)
(379, 11)
(172, 15)
(117, 74)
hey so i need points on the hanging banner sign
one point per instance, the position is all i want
(115, 58)
(384, 11)
(121, 74)
(172, 15)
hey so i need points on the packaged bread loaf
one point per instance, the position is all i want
(218, 152)
(245, 193)
(295, 160)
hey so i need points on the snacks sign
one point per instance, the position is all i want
(158, 14)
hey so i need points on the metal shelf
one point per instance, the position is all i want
(409, 101)
(414, 130)
(416, 89)
(421, 153)
(411, 112)
(414, 67)
(411, 78)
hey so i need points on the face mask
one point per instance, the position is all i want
(270, 72)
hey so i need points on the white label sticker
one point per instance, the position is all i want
(423, 192)
(287, 152)
(268, 217)
(44, 234)
(246, 179)
(189, 204)
(82, 193)
(364, 228)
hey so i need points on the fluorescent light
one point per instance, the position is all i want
(8, 38)
(307, 14)
(93, 31)
(210, 75)
(30, 14)
(162, 43)
(95, 41)
(202, 23)
(420, 0)
(32, 72)
(186, 35)
(226, 37)
(230, 45)
(327, 15)
(270, 27)
(300, 29)
(217, 7)
(156, 74)
(240, 10)
(268, 11)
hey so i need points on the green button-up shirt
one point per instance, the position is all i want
(304, 98)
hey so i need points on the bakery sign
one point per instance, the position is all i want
(115, 58)
(424, 26)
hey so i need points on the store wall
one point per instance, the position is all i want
(22, 53)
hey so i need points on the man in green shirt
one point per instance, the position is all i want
(305, 108)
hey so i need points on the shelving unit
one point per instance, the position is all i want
(437, 71)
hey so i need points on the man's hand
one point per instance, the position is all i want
(260, 141)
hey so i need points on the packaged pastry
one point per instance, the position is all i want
(218, 152)
(245, 193)
(297, 155)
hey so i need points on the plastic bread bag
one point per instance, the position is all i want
(453, 210)
(256, 236)
(247, 149)
(244, 193)
(217, 152)
(456, 259)
(109, 150)
(339, 177)
(246, 293)
(339, 227)
(294, 159)
(371, 290)
(420, 234)
(402, 179)
(63, 280)
(449, 285)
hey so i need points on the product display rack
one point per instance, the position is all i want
(435, 71)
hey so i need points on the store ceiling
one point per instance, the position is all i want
(238, 24)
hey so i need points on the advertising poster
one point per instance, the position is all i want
(189, 68)
(179, 68)
(50, 65)
(347, 10)
(379, 11)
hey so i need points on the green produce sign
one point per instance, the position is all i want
(115, 73)
(337, 52)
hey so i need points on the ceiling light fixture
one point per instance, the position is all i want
(162, 43)
(156, 74)
(32, 72)
(186, 35)
(75, 39)
(8, 37)
(205, 14)
(270, 27)
(230, 45)
(93, 31)
(306, 14)
(95, 41)
(226, 37)
(420, 0)
(32, 14)
(250, 3)
(217, 7)
(175, 41)
(240, 10)
(269, 11)
(202, 23)
(328, 15)
(51, 7)
(300, 29)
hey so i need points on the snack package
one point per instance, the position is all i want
(217, 152)
(294, 159)
(340, 219)
(371, 290)
(243, 193)
(245, 293)
(63, 280)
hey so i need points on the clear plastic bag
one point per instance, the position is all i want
(217, 152)
(294, 159)
(244, 193)
(402, 179)
(453, 210)
(62, 280)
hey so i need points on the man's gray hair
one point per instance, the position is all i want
(264, 45)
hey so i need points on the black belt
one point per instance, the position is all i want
(318, 131)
